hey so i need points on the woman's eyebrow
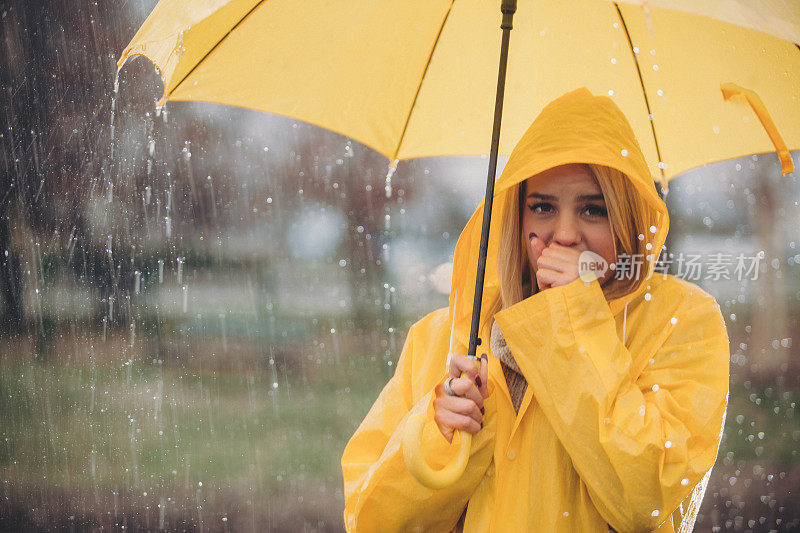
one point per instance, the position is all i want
(582, 198)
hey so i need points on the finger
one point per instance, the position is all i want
(553, 263)
(537, 246)
(445, 430)
(461, 363)
(544, 277)
(461, 406)
(564, 253)
(448, 422)
(465, 388)
(556, 279)
(484, 386)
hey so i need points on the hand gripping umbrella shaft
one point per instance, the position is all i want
(412, 453)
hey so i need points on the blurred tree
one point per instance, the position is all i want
(55, 75)
(769, 360)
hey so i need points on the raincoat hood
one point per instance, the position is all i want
(578, 127)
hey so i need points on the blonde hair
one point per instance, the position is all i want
(629, 217)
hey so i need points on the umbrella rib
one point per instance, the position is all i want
(644, 92)
(214, 47)
(421, 79)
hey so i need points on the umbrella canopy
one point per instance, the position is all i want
(417, 79)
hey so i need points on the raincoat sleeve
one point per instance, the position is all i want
(641, 433)
(380, 493)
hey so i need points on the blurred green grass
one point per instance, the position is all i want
(81, 426)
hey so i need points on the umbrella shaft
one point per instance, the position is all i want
(508, 8)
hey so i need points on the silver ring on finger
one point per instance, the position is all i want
(447, 388)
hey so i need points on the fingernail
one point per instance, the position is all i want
(483, 356)
(481, 425)
(478, 381)
(482, 411)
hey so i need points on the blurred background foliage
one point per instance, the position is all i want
(197, 314)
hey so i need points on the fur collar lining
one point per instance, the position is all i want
(500, 349)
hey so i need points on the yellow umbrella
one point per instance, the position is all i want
(415, 79)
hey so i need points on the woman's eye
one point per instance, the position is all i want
(596, 211)
(540, 207)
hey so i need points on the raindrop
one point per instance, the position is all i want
(655, 387)
(613, 60)
(388, 183)
(113, 108)
(673, 320)
(624, 152)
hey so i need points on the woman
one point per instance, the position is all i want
(605, 394)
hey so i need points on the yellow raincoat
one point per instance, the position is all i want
(621, 420)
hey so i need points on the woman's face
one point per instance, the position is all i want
(564, 205)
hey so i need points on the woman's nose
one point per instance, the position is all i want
(566, 232)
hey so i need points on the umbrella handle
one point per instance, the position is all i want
(418, 466)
